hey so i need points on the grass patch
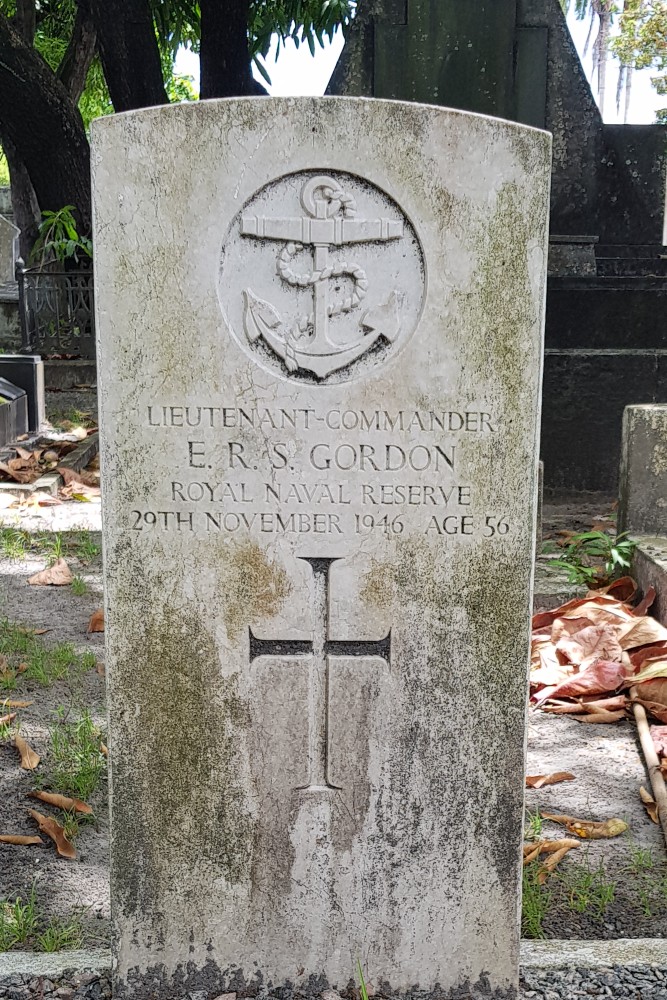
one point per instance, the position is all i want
(75, 762)
(16, 544)
(587, 890)
(67, 419)
(534, 825)
(21, 926)
(535, 902)
(79, 587)
(27, 657)
(18, 921)
(60, 935)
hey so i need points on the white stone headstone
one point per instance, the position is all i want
(9, 235)
(320, 343)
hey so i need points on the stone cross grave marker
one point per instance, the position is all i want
(8, 249)
(320, 340)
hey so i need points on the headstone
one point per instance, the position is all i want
(320, 334)
(8, 243)
(13, 411)
(27, 371)
(643, 479)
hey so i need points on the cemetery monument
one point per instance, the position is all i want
(320, 339)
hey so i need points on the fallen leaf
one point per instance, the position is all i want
(104, 750)
(659, 737)
(12, 838)
(650, 804)
(62, 802)
(96, 623)
(600, 677)
(540, 780)
(589, 829)
(591, 644)
(554, 859)
(58, 575)
(653, 668)
(78, 478)
(54, 830)
(641, 632)
(646, 603)
(25, 454)
(29, 759)
(77, 491)
(601, 717)
(647, 654)
(15, 704)
(22, 667)
(6, 719)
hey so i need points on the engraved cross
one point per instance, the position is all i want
(320, 651)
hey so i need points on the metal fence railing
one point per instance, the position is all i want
(56, 311)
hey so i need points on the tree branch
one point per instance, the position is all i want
(79, 54)
(25, 20)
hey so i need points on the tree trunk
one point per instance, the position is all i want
(79, 54)
(38, 118)
(224, 59)
(129, 52)
(24, 200)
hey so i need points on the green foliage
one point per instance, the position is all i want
(60, 935)
(362, 982)
(594, 558)
(75, 762)
(59, 238)
(18, 920)
(79, 587)
(16, 543)
(588, 889)
(4, 170)
(40, 663)
(535, 902)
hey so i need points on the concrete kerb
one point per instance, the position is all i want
(557, 954)
(649, 569)
(51, 482)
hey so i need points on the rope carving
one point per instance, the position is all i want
(306, 322)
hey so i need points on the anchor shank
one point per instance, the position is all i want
(321, 300)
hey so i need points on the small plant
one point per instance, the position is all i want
(535, 902)
(59, 239)
(18, 920)
(594, 558)
(588, 890)
(27, 657)
(14, 543)
(60, 935)
(53, 548)
(362, 982)
(533, 825)
(79, 586)
(75, 762)
(85, 549)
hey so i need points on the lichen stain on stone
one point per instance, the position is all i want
(179, 753)
(254, 585)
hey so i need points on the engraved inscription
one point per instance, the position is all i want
(320, 651)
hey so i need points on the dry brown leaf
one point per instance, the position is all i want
(641, 632)
(54, 830)
(22, 667)
(602, 716)
(15, 838)
(532, 853)
(104, 750)
(58, 575)
(7, 703)
(29, 759)
(96, 623)
(650, 804)
(553, 860)
(589, 829)
(77, 491)
(540, 780)
(590, 644)
(6, 719)
(62, 802)
(18, 475)
(78, 478)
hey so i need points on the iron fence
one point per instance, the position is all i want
(56, 310)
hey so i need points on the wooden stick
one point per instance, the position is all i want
(652, 761)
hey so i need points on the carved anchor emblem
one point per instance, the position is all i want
(330, 221)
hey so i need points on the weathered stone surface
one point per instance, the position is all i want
(319, 471)
(8, 236)
(643, 479)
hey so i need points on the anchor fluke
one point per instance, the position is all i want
(255, 309)
(385, 319)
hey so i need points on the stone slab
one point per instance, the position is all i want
(8, 249)
(649, 568)
(319, 392)
(642, 505)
